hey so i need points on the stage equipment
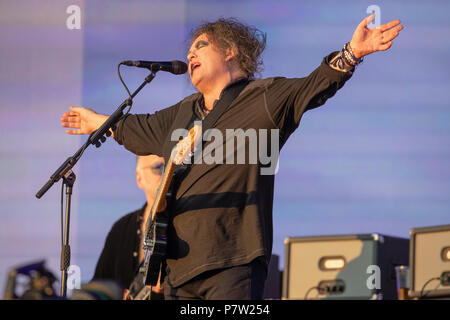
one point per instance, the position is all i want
(430, 262)
(175, 67)
(30, 282)
(343, 266)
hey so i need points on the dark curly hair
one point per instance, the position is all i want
(226, 33)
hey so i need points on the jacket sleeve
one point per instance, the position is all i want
(145, 134)
(288, 99)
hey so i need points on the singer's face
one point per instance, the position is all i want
(148, 173)
(206, 62)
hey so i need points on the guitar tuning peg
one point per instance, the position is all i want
(98, 144)
(103, 139)
(108, 133)
(113, 127)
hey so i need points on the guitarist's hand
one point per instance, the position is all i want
(158, 288)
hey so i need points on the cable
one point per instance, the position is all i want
(129, 103)
(121, 80)
(426, 283)
(130, 100)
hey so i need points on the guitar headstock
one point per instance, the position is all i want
(185, 147)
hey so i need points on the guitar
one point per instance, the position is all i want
(155, 235)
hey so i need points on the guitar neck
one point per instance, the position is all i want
(178, 154)
(160, 200)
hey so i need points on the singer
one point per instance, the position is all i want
(220, 231)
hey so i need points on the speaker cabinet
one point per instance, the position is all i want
(430, 258)
(343, 267)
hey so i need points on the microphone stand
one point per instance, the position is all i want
(65, 172)
(68, 180)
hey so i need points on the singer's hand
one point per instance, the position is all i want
(83, 120)
(365, 40)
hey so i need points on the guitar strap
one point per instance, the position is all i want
(224, 102)
(228, 96)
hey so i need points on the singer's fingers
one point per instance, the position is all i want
(385, 46)
(366, 21)
(72, 124)
(65, 115)
(70, 114)
(391, 34)
(76, 109)
(74, 132)
(389, 25)
(70, 119)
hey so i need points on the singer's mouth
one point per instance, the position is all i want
(194, 66)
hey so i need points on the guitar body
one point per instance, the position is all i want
(155, 246)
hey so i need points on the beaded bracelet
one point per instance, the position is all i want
(349, 57)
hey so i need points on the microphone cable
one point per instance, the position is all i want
(130, 99)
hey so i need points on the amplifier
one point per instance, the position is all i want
(343, 267)
(430, 261)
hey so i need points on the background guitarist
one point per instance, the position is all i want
(123, 253)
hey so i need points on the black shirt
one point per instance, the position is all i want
(222, 213)
(119, 258)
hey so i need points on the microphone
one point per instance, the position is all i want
(175, 67)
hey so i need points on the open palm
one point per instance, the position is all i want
(366, 41)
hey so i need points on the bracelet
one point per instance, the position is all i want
(349, 57)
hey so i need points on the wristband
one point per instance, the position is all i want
(349, 57)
